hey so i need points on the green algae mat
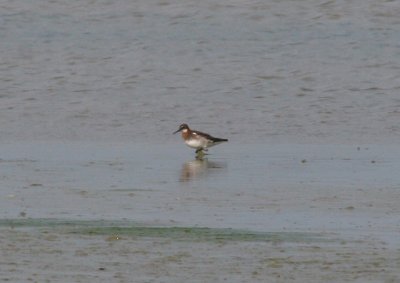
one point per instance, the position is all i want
(132, 229)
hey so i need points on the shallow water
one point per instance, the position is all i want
(327, 188)
(269, 71)
(306, 92)
(109, 210)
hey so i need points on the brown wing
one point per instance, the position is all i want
(207, 136)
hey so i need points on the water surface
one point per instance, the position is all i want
(306, 91)
(331, 188)
(269, 71)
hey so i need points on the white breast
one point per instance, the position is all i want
(194, 143)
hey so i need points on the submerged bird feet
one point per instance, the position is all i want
(200, 153)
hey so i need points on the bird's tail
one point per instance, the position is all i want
(219, 140)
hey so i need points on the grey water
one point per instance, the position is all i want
(307, 92)
(313, 188)
(259, 71)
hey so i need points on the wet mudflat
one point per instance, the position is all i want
(84, 211)
(65, 254)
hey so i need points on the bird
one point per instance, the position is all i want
(198, 140)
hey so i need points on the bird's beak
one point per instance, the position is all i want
(177, 131)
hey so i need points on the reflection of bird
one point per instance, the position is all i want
(198, 168)
(193, 169)
(198, 140)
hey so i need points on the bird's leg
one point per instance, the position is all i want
(199, 153)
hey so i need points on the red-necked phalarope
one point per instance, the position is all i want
(198, 140)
